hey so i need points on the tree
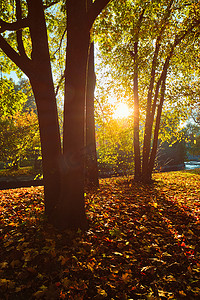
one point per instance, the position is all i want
(192, 132)
(10, 101)
(63, 170)
(18, 124)
(80, 17)
(24, 86)
(145, 52)
(19, 137)
(114, 146)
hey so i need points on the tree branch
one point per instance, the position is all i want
(21, 62)
(180, 37)
(50, 4)
(19, 24)
(95, 9)
(61, 40)
(19, 32)
(59, 83)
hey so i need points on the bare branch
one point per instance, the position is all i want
(19, 24)
(21, 62)
(50, 4)
(59, 83)
(61, 40)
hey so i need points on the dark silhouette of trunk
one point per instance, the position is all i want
(137, 156)
(63, 172)
(70, 209)
(41, 80)
(157, 126)
(156, 92)
(150, 112)
(38, 70)
(50, 139)
(150, 109)
(91, 167)
(147, 167)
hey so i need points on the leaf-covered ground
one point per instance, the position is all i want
(143, 243)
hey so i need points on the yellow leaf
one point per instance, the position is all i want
(190, 232)
(102, 292)
(3, 282)
(182, 293)
(43, 288)
(126, 277)
(40, 276)
(18, 289)
(90, 266)
(38, 294)
(12, 224)
(3, 265)
(118, 253)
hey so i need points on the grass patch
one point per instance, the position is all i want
(23, 171)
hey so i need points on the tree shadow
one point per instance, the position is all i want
(170, 235)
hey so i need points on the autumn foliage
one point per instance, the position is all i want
(143, 243)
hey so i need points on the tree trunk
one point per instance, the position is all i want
(157, 126)
(91, 167)
(150, 110)
(70, 209)
(40, 75)
(137, 155)
(137, 173)
(50, 138)
(147, 168)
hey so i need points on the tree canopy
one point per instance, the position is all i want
(148, 50)
(10, 100)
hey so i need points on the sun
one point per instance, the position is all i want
(122, 111)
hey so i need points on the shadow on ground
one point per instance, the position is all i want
(141, 245)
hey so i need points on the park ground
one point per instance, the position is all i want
(143, 242)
